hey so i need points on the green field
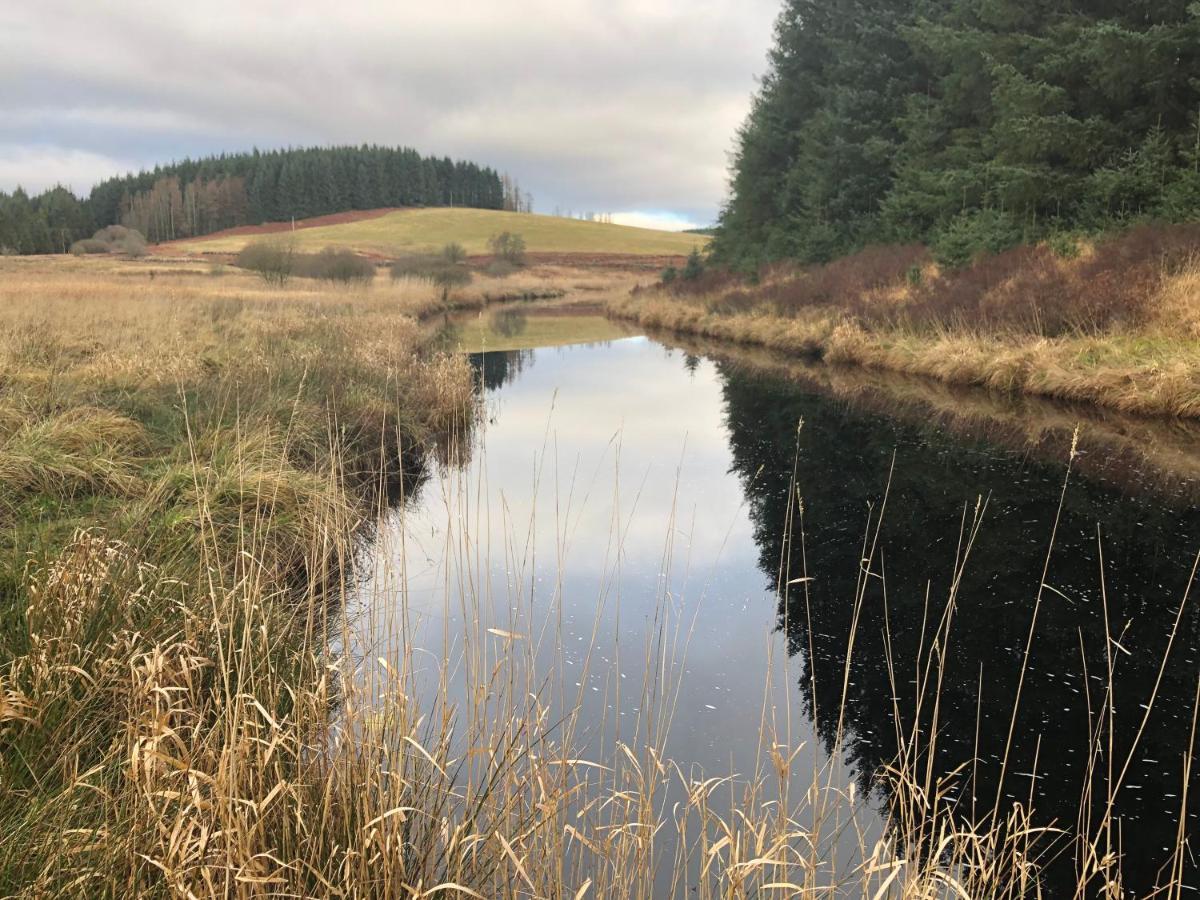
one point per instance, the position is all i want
(421, 230)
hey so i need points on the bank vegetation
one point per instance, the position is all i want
(1112, 321)
(189, 463)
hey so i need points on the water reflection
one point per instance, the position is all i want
(1139, 548)
(619, 480)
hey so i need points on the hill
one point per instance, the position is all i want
(397, 232)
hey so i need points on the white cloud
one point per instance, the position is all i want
(36, 168)
(663, 221)
(593, 104)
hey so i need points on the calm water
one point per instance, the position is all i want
(642, 501)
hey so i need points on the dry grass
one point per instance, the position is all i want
(1025, 322)
(174, 723)
(1116, 447)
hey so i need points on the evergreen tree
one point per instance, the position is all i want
(929, 120)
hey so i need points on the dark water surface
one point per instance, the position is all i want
(629, 497)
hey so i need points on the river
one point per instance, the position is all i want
(717, 554)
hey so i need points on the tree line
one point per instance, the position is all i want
(970, 125)
(196, 197)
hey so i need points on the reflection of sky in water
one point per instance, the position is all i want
(589, 443)
(647, 462)
(647, 450)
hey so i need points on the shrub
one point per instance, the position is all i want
(332, 264)
(436, 269)
(670, 273)
(454, 252)
(273, 261)
(508, 247)
(89, 246)
(847, 281)
(499, 268)
(694, 267)
(112, 239)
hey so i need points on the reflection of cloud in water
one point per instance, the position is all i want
(611, 476)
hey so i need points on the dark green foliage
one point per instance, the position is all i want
(694, 267)
(48, 223)
(509, 248)
(970, 125)
(670, 273)
(972, 233)
(196, 197)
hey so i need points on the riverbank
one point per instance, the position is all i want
(1114, 323)
(189, 461)
(186, 457)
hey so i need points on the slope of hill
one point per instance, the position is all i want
(419, 230)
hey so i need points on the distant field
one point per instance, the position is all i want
(529, 327)
(419, 230)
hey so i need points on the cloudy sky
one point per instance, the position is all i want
(622, 106)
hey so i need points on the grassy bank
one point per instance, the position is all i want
(1114, 322)
(186, 461)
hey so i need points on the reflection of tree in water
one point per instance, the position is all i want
(496, 368)
(508, 322)
(842, 469)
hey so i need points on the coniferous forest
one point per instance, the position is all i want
(970, 125)
(196, 197)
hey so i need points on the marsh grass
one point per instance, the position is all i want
(174, 722)
(1114, 325)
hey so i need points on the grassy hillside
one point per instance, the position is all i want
(419, 230)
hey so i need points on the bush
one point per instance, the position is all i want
(670, 273)
(846, 282)
(694, 267)
(273, 261)
(454, 252)
(499, 268)
(332, 264)
(436, 269)
(113, 239)
(508, 247)
(89, 247)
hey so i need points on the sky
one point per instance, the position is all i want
(628, 107)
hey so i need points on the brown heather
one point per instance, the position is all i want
(1117, 324)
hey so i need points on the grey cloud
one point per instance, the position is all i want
(614, 106)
